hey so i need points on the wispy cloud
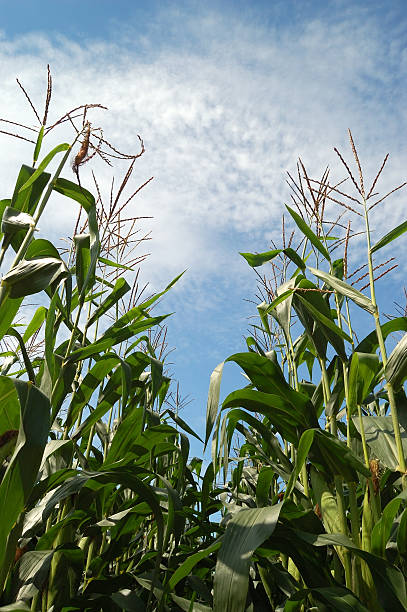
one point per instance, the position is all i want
(226, 105)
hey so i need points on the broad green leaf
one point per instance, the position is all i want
(33, 571)
(9, 405)
(258, 259)
(189, 605)
(35, 323)
(18, 606)
(32, 276)
(362, 372)
(75, 192)
(268, 377)
(379, 434)
(27, 362)
(264, 480)
(370, 344)
(181, 423)
(188, 565)
(82, 261)
(392, 235)
(304, 446)
(39, 248)
(344, 289)
(307, 231)
(27, 200)
(337, 599)
(322, 318)
(213, 399)
(22, 470)
(13, 220)
(8, 310)
(280, 413)
(245, 532)
(326, 501)
(382, 529)
(396, 367)
(47, 159)
(389, 580)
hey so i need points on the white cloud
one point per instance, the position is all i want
(224, 114)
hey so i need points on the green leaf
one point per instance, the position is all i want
(258, 259)
(14, 220)
(120, 289)
(39, 248)
(94, 377)
(382, 529)
(115, 334)
(392, 235)
(379, 434)
(35, 323)
(9, 405)
(114, 264)
(388, 580)
(245, 532)
(280, 308)
(370, 344)
(38, 145)
(8, 310)
(31, 276)
(362, 373)
(280, 413)
(22, 470)
(75, 192)
(28, 199)
(47, 159)
(18, 606)
(344, 289)
(304, 446)
(307, 231)
(186, 567)
(213, 399)
(396, 367)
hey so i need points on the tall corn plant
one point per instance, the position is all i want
(312, 450)
(100, 506)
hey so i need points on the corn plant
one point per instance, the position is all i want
(101, 508)
(311, 452)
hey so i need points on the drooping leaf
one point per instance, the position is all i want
(32, 276)
(344, 289)
(47, 159)
(13, 220)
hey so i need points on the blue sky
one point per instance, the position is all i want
(226, 95)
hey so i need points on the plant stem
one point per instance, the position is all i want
(389, 387)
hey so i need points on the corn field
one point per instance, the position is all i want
(303, 504)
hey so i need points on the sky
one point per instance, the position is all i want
(226, 95)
